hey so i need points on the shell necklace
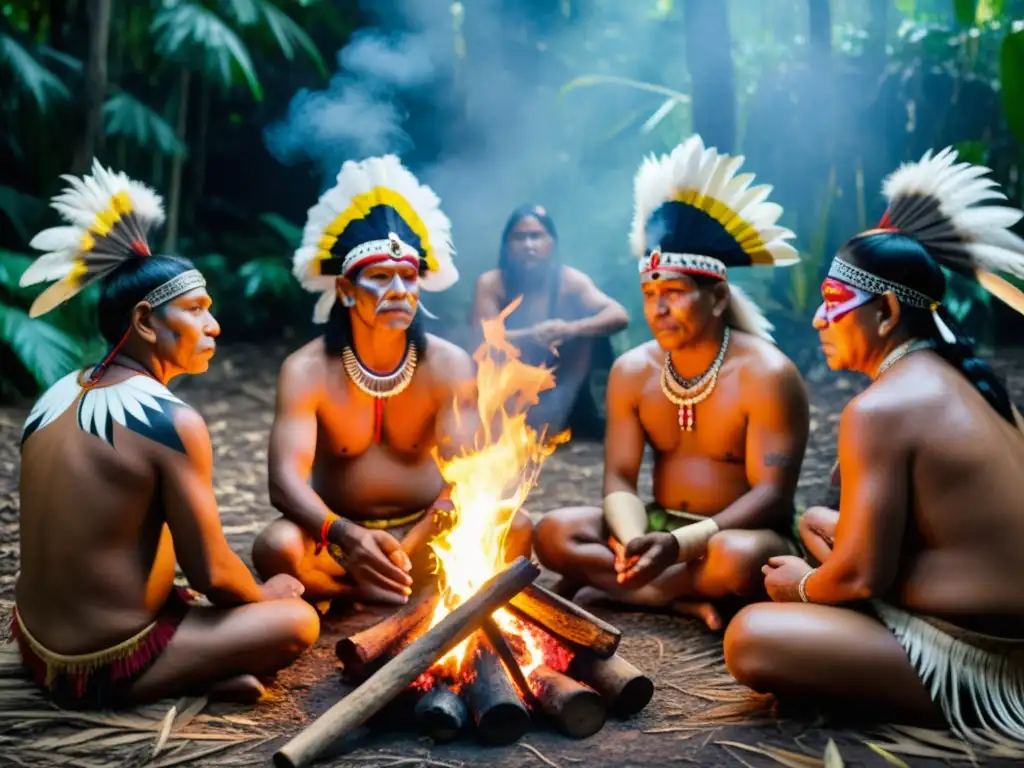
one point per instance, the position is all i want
(686, 394)
(380, 388)
(904, 349)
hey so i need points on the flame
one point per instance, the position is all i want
(490, 484)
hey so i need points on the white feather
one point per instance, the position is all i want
(48, 267)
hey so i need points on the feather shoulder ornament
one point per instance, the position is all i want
(109, 217)
(377, 209)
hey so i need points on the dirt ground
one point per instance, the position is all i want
(698, 714)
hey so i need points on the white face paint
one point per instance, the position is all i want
(387, 293)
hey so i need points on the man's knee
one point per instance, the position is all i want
(296, 626)
(520, 534)
(554, 534)
(749, 646)
(735, 559)
(818, 521)
(279, 548)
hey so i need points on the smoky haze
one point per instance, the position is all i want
(508, 137)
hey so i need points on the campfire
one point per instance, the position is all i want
(482, 647)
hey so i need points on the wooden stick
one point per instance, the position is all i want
(369, 698)
(361, 650)
(441, 713)
(567, 621)
(577, 711)
(625, 688)
(500, 715)
(497, 640)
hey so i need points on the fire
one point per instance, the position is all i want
(490, 484)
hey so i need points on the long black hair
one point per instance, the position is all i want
(902, 259)
(129, 284)
(512, 282)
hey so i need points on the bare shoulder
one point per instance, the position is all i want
(489, 282)
(193, 433)
(575, 279)
(632, 369)
(448, 363)
(306, 367)
(761, 362)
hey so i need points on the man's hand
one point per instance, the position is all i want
(375, 559)
(646, 558)
(552, 333)
(282, 587)
(782, 577)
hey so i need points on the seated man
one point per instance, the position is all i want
(362, 409)
(116, 484)
(725, 412)
(561, 315)
(916, 607)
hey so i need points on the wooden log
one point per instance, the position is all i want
(576, 710)
(441, 713)
(567, 621)
(369, 698)
(361, 650)
(625, 689)
(500, 715)
(497, 640)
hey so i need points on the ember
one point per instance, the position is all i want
(530, 653)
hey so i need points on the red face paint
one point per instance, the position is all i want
(840, 299)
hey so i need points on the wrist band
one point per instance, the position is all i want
(324, 528)
(695, 533)
(802, 587)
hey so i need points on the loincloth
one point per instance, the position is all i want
(970, 676)
(661, 519)
(94, 680)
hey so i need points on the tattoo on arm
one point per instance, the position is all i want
(778, 460)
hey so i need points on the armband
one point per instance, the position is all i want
(626, 515)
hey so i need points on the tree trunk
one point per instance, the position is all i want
(177, 166)
(98, 12)
(198, 164)
(709, 60)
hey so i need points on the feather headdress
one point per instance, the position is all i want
(108, 217)
(936, 201)
(377, 209)
(694, 214)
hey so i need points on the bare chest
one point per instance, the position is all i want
(350, 422)
(719, 422)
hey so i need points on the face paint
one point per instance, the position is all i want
(386, 291)
(840, 299)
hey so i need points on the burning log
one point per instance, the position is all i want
(369, 698)
(567, 621)
(441, 713)
(497, 640)
(500, 715)
(577, 711)
(625, 688)
(359, 652)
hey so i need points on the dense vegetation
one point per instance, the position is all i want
(822, 97)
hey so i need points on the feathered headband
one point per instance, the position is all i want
(109, 217)
(694, 215)
(936, 202)
(376, 210)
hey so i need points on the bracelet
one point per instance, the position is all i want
(324, 529)
(802, 588)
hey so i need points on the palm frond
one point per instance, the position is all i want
(46, 352)
(22, 211)
(196, 36)
(244, 12)
(124, 115)
(289, 34)
(30, 75)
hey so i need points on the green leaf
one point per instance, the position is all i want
(1011, 75)
(974, 152)
(965, 11)
(245, 12)
(22, 210)
(12, 266)
(988, 10)
(290, 233)
(124, 115)
(196, 36)
(30, 75)
(286, 32)
(907, 7)
(46, 352)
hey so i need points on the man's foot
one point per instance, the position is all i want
(704, 611)
(243, 689)
(645, 598)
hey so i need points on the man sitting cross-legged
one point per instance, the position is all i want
(917, 606)
(725, 412)
(116, 484)
(362, 409)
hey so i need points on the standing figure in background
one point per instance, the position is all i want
(117, 485)
(725, 412)
(916, 607)
(362, 408)
(561, 316)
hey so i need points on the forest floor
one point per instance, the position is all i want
(699, 715)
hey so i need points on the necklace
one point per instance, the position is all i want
(379, 387)
(686, 394)
(904, 349)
